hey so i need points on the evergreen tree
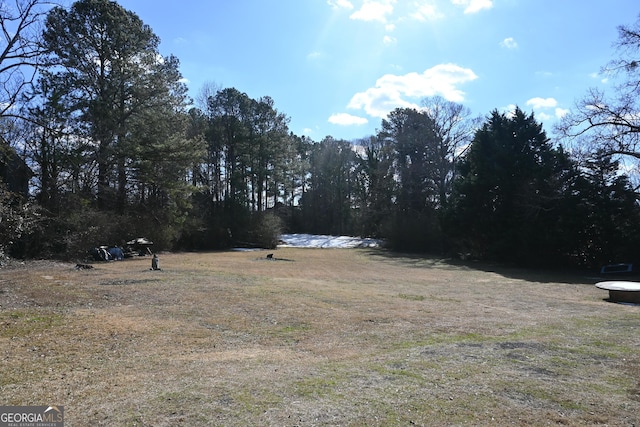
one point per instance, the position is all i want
(375, 186)
(49, 147)
(605, 214)
(269, 149)
(228, 146)
(416, 160)
(110, 69)
(412, 134)
(295, 177)
(327, 203)
(508, 193)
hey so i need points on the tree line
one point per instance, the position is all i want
(114, 149)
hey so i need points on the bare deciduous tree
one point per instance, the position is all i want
(20, 49)
(454, 129)
(610, 124)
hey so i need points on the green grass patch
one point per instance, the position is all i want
(317, 387)
(544, 395)
(442, 338)
(22, 323)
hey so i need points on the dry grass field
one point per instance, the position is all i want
(315, 337)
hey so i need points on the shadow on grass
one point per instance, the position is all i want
(569, 275)
(127, 282)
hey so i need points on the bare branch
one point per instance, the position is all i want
(20, 48)
(612, 123)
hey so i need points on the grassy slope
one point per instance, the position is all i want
(315, 337)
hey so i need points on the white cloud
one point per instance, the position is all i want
(509, 43)
(473, 6)
(543, 117)
(419, 10)
(340, 4)
(378, 101)
(602, 76)
(314, 55)
(509, 111)
(561, 112)
(539, 103)
(389, 41)
(545, 104)
(374, 10)
(345, 119)
(391, 91)
(426, 11)
(557, 114)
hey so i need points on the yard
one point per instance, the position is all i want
(315, 337)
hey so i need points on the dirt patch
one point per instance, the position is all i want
(330, 337)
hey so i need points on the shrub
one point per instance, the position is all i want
(19, 219)
(264, 231)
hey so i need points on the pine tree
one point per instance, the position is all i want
(112, 74)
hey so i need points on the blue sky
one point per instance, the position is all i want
(337, 67)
